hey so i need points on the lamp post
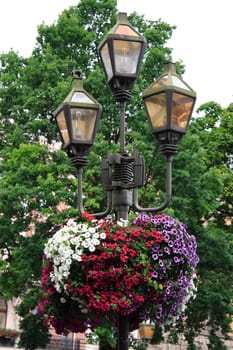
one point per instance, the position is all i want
(169, 103)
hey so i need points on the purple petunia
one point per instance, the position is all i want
(178, 248)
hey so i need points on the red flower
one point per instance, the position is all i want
(133, 252)
(123, 258)
(125, 249)
(88, 216)
(139, 299)
(111, 246)
(149, 244)
(136, 232)
(51, 291)
(157, 235)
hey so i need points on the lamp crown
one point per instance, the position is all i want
(170, 68)
(77, 79)
(77, 74)
(122, 18)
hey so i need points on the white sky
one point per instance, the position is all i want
(202, 40)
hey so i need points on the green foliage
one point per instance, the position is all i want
(137, 344)
(157, 337)
(104, 336)
(215, 343)
(34, 333)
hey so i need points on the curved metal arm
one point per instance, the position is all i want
(168, 191)
(80, 197)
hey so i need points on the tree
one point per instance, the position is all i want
(36, 179)
(33, 177)
(213, 305)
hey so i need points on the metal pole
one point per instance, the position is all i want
(80, 190)
(122, 200)
(123, 321)
(122, 126)
(123, 332)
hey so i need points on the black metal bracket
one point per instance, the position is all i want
(121, 171)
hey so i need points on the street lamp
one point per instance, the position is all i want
(77, 118)
(121, 53)
(169, 103)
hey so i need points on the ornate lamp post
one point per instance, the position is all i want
(169, 102)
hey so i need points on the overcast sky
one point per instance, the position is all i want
(203, 38)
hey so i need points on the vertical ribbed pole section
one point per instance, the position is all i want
(123, 332)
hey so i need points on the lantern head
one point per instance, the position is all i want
(121, 53)
(169, 103)
(77, 118)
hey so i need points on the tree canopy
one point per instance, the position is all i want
(36, 177)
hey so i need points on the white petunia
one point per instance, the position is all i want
(57, 287)
(79, 251)
(92, 248)
(66, 274)
(95, 242)
(75, 240)
(83, 227)
(103, 235)
(96, 235)
(75, 257)
(71, 223)
(85, 244)
(56, 261)
(69, 261)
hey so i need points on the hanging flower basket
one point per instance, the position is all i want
(95, 270)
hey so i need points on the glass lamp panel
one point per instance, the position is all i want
(157, 111)
(126, 55)
(123, 29)
(176, 81)
(83, 124)
(171, 80)
(106, 60)
(181, 111)
(159, 83)
(81, 97)
(61, 121)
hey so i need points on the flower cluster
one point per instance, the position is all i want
(97, 270)
(68, 245)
